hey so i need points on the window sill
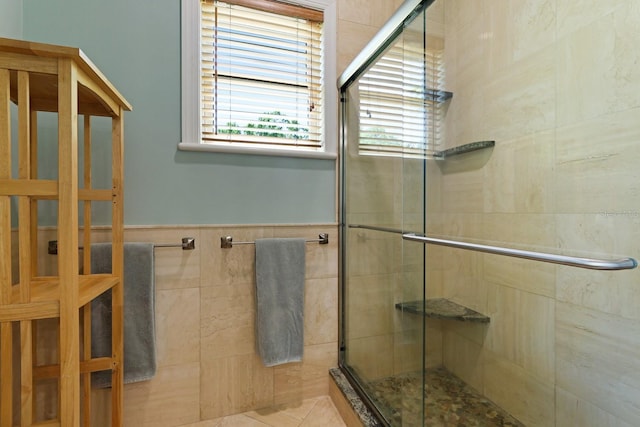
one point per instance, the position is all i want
(259, 151)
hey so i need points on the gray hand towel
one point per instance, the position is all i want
(280, 270)
(139, 313)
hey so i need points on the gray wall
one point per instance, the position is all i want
(137, 46)
(11, 19)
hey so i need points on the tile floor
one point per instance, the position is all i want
(316, 412)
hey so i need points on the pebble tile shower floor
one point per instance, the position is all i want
(449, 402)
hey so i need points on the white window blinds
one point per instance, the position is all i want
(261, 79)
(401, 108)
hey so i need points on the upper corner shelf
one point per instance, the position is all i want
(438, 95)
(462, 149)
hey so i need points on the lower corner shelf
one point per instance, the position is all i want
(442, 308)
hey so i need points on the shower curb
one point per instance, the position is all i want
(356, 405)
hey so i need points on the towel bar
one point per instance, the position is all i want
(188, 243)
(227, 242)
(590, 263)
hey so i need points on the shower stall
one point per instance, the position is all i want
(489, 215)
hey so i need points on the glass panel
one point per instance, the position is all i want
(383, 190)
(370, 263)
(410, 344)
(538, 150)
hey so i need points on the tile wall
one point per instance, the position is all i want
(205, 334)
(206, 312)
(556, 85)
(358, 22)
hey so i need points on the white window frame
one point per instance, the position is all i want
(191, 137)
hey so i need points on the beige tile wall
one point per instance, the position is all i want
(205, 312)
(358, 22)
(555, 85)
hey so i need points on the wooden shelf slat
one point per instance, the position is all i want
(29, 311)
(48, 189)
(86, 366)
(28, 187)
(47, 289)
(92, 194)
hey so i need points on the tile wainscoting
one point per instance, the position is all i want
(205, 309)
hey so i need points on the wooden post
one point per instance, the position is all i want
(68, 243)
(86, 264)
(6, 339)
(33, 174)
(117, 161)
(25, 257)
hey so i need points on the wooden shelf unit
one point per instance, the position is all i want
(43, 77)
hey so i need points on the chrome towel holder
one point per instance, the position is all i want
(226, 242)
(188, 243)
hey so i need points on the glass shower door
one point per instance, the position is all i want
(383, 179)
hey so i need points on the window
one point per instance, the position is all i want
(261, 76)
(401, 110)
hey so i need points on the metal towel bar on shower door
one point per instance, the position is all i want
(593, 264)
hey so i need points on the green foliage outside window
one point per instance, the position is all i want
(270, 126)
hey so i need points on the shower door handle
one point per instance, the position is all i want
(590, 263)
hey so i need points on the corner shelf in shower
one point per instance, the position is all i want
(438, 95)
(442, 308)
(463, 149)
